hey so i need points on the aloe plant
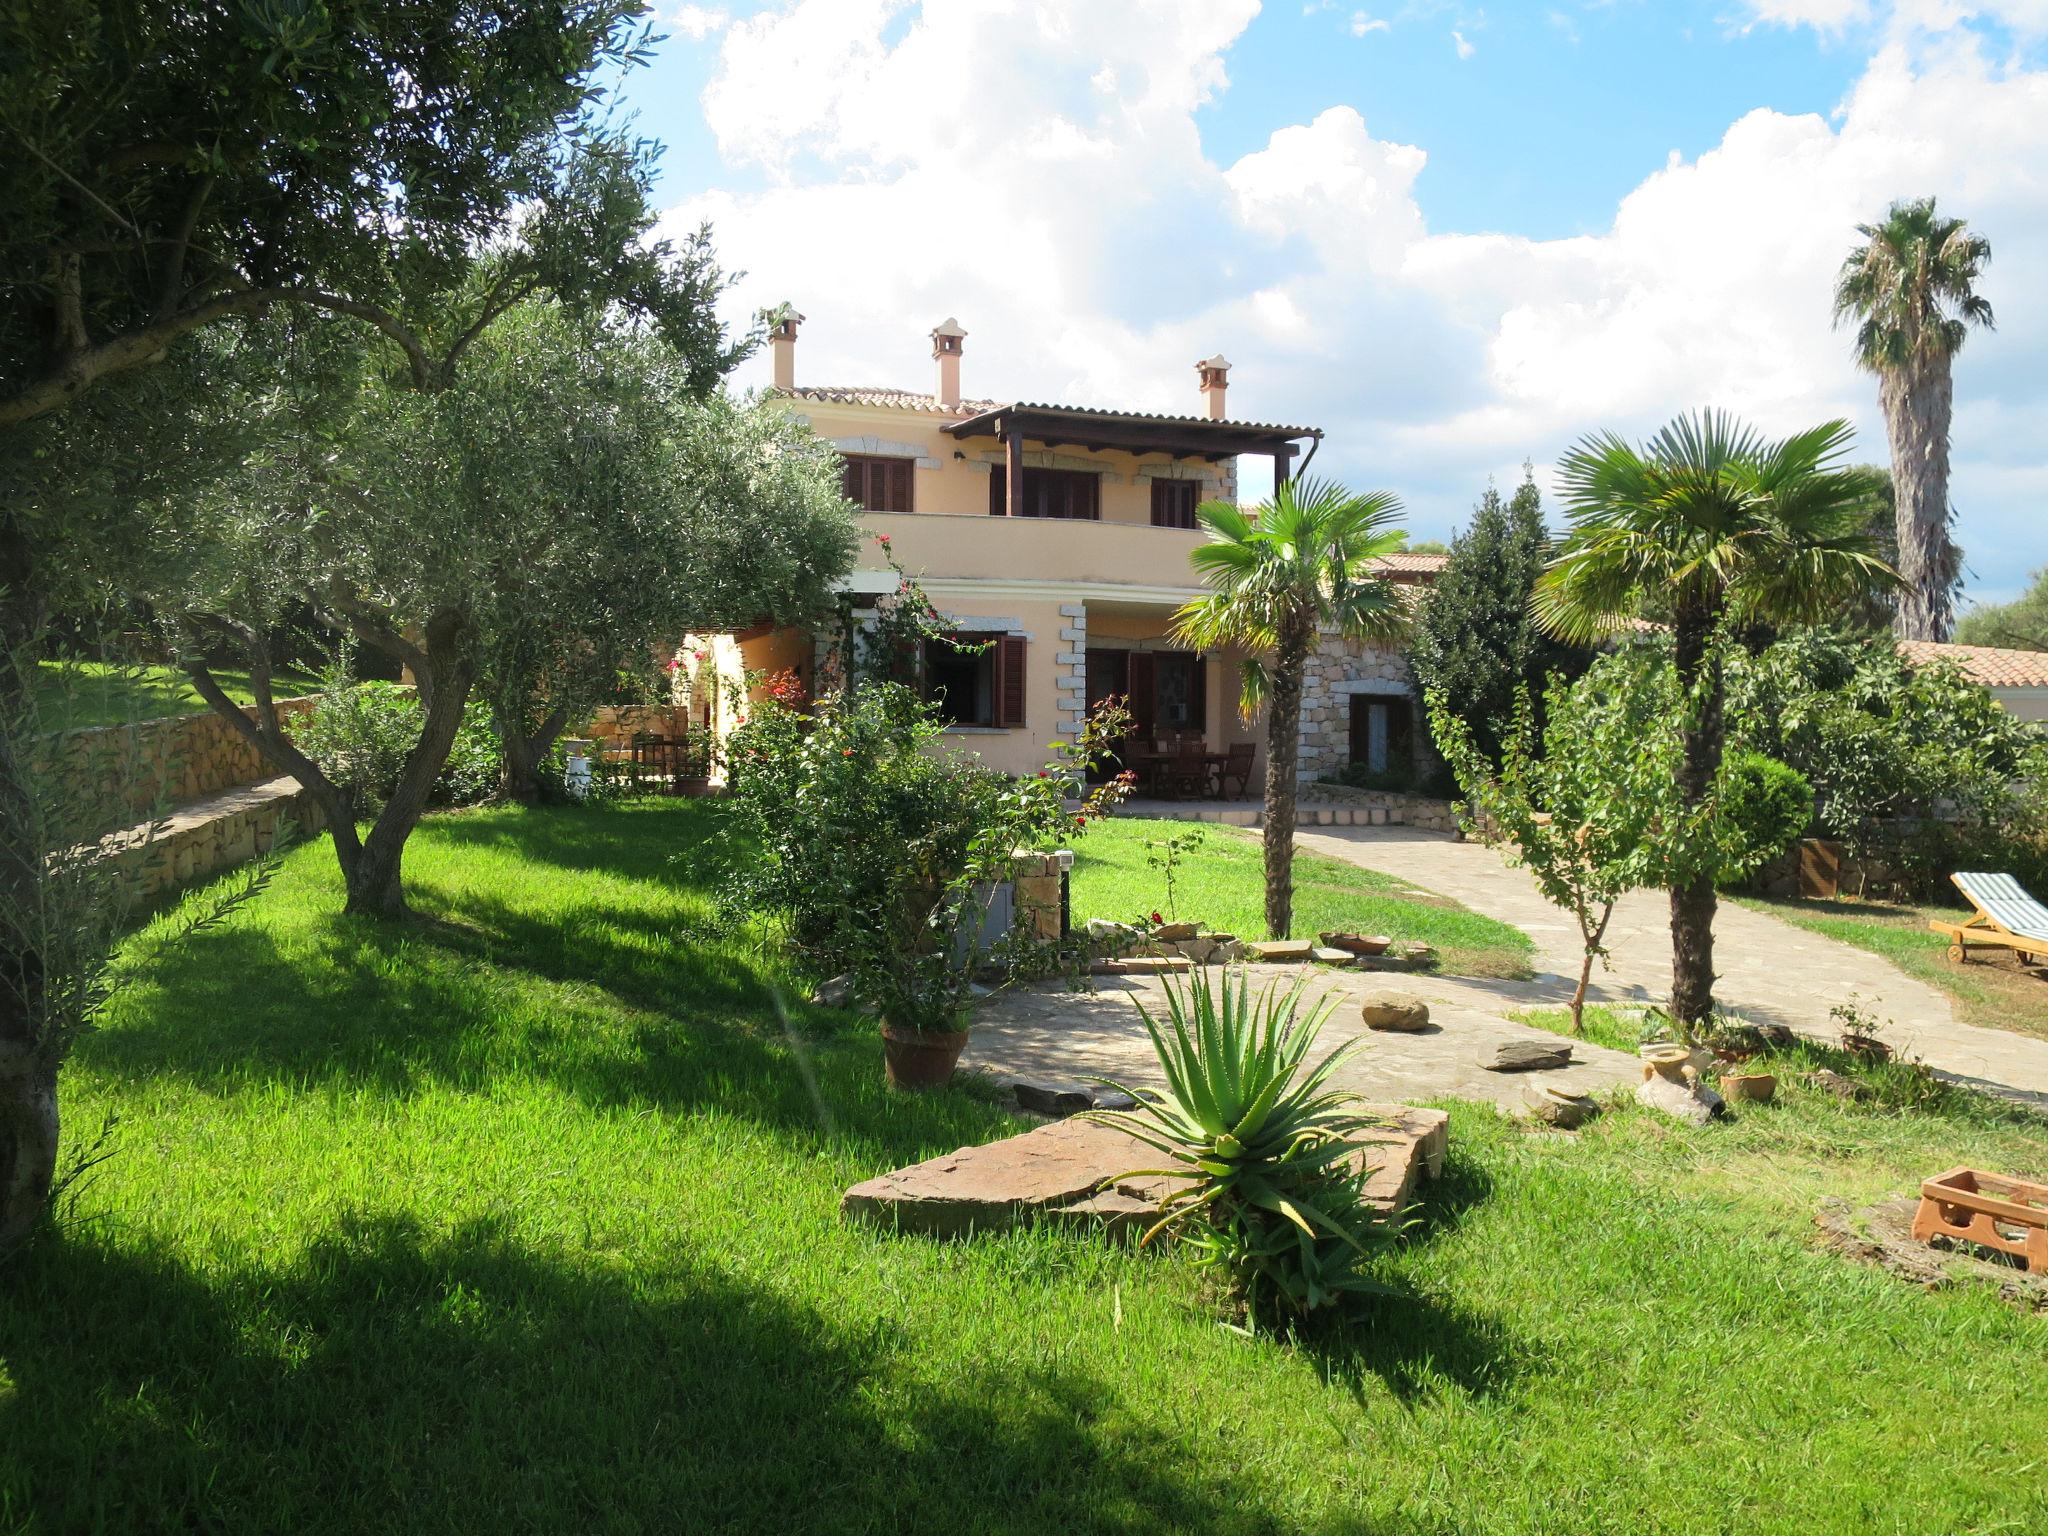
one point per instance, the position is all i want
(1270, 1178)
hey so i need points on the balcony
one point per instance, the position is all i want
(941, 549)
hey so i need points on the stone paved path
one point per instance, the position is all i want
(1769, 971)
(1063, 1036)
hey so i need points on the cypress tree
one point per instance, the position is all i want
(1474, 642)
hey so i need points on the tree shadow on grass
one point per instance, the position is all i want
(390, 1377)
(1419, 1345)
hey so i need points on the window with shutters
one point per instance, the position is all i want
(876, 484)
(1068, 493)
(1174, 502)
(976, 679)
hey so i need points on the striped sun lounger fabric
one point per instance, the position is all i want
(2007, 903)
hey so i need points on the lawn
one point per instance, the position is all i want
(71, 694)
(1223, 884)
(1990, 990)
(523, 1217)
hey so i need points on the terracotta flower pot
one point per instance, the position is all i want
(1753, 1087)
(917, 1059)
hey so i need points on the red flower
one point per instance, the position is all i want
(1157, 920)
(882, 539)
(847, 753)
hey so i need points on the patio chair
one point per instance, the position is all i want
(1237, 765)
(1186, 774)
(2007, 917)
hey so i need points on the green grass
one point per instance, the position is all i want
(1222, 884)
(1990, 990)
(72, 694)
(1606, 1026)
(523, 1217)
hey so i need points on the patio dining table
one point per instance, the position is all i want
(1148, 765)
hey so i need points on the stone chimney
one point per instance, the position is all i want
(1215, 377)
(782, 323)
(946, 339)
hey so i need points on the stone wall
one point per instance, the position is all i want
(167, 762)
(1338, 670)
(615, 725)
(1403, 809)
(227, 829)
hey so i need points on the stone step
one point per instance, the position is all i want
(205, 836)
(1059, 1172)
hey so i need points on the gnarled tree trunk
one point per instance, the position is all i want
(1283, 745)
(373, 875)
(1917, 401)
(1694, 902)
(524, 751)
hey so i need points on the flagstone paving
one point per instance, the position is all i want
(1769, 972)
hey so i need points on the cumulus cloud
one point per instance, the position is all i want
(926, 161)
(1465, 49)
(697, 22)
(1363, 25)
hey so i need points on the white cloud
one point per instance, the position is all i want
(1094, 251)
(1465, 49)
(697, 22)
(1363, 25)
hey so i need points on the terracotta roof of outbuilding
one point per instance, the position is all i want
(1167, 418)
(1402, 563)
(1989, 665)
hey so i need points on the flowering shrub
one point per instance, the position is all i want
(879, 847)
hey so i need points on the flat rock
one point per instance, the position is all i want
(1141, 965)
(836, 993)
(1329, 954)
(1394, 1011)
(1689, 1102)
(1068, 1172)
(1057, 1099)
(1558, 1106)
(1527, 1056)
(1173, 933)
(1279, 951)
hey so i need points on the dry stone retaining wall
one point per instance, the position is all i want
(213, 834)
(169, 761)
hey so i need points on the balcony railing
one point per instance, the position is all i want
(959, 546)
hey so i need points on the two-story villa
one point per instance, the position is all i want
(1062, 534)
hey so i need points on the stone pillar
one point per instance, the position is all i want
(1070, 668)
(1035, 884)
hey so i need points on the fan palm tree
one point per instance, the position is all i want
(1280, 575)
(1712, 525)
(1910, 289)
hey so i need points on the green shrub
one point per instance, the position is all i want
(1762, 806)
(1269, 1191)
(360, 733)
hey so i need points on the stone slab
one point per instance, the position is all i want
(1141, 965)
(1280, 951)
(1067, 1172)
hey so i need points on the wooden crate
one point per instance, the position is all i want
(1969, 1205)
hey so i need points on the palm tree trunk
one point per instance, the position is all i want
(1283, 749)
(1694, 901)
(1917, 401)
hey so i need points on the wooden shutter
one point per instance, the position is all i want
(1198, 693)
(1010, 680)
(853, 480)
(998, 490)
(1144, 703)
(1173, 503)
(899, 485)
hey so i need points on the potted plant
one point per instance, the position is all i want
(1860, 1030)
(1756, 1087)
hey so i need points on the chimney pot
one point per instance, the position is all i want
(1214, 374)
(782, 322)
(946, 339)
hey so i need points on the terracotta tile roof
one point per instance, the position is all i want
(893, 399)
(911, 400)
(1405, 564)
(1992, 667)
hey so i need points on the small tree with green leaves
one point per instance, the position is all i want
(1580, 800)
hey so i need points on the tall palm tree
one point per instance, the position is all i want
(1714, 526)
(1280, 575)
(1910, 289)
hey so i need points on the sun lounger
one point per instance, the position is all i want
(2007, 917)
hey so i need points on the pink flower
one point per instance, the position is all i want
(882, 539)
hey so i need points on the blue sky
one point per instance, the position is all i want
(1456, 236)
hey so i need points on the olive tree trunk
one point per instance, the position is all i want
(1917, 400)
(1694, 899)
(523, 751)
(1283, 744)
